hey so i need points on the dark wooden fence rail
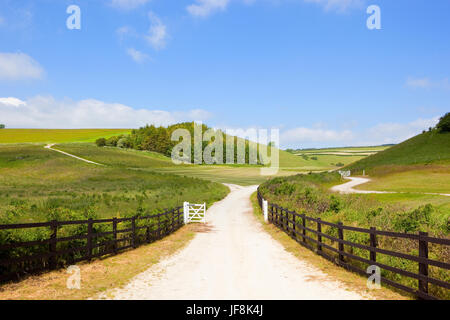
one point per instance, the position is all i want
(295, 225)
(92, 239)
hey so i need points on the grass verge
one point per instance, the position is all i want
(100, 275)
(350, 280)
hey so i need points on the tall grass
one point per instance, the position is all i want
(309, 194)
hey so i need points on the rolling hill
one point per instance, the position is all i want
(427, 148)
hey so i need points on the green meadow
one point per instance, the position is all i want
(56, 135)
(400, 212)
(37, 184)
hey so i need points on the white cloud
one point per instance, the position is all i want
(128, 4)
(301, 135)
(47, 112)
(18, 66)
(137, 56)
(204, 8)
(157, 34)
(11, 101)
(393, 132)
(418, 82)
(427, 83)
(337, 5)
(383, 133)
(124, 31)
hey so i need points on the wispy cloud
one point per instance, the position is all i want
(128, 4)
(156, 36)
(418, 82)
(302, 134)
(19, 66)
(338, 5)
(137, 56)
(427, 83)
(157, 33)
(382, 133)
(11, 101)
(204, 8)
(394, 132)
(124, 32)
(48, 112)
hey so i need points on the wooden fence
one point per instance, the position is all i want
(296, 226)
(69, 242)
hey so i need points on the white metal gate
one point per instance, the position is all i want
(194, 212)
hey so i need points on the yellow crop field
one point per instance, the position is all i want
(56, 135)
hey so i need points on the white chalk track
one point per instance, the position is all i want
(233, 258)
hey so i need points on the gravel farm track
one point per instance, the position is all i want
(232, 257)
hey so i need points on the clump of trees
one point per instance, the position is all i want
(444, 123)
(2, 126)
(158, 139)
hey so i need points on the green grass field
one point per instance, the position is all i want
(333, 158)
(37, 184)
(421, 179)
(426, 148)
(420, 164)
(402, 212)
(154, 162)
(56, 135)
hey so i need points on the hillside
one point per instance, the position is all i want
(427, 148)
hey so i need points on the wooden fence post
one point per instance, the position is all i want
(147, 232)
(341, 245)
(89, 239)
(373, 244)
(276, 215)
(158, 232)
(52, 245)
(115, 235)
(294, 234)
(133, 232)
(319, 237)
(423, 267)
(304, 227)
(173, 220)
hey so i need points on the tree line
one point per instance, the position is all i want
(158, 139)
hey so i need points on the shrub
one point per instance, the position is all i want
(415, 220)
(2, 126)
(100, 142)
(122, 143)
(444, 123)
(112, 142)
(335, 203)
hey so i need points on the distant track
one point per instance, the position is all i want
(50, 147)
(348, 187)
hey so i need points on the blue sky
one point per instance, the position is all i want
(311, 68)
